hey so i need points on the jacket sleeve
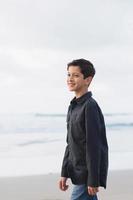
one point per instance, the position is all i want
(64, 172)
(93, 144)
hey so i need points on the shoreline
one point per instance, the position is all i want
(45, 187)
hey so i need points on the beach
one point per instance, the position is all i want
(45, 187)
(31, 153)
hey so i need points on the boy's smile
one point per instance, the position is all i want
(76, 81)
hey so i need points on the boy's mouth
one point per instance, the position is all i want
(71, 84)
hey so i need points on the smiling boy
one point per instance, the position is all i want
(86, 156)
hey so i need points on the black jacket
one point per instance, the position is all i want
(86, 155)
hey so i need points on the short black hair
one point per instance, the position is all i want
(86, 67)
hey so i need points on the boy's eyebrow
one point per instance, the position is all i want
(74, 73)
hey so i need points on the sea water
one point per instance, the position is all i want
(34, 143)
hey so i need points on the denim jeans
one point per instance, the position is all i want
(80, 192)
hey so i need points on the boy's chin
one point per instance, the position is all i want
(71, 89)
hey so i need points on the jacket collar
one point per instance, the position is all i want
(82, 98)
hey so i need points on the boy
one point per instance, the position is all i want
(86, 155)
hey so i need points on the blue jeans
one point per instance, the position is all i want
(80, 192)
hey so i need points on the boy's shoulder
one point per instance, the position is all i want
(91, 103)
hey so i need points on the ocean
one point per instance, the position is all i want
(34, 143)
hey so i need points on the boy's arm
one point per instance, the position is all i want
(93, 144)
(64, 172)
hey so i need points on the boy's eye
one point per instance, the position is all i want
(73, 75)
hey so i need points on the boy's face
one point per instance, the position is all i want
(75, 79)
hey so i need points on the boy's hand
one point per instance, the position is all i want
(62, 184)
(93, 190)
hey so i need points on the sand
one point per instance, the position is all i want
(45, 187)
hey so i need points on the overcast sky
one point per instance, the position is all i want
(38, 39)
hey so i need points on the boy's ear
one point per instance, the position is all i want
(88, 80)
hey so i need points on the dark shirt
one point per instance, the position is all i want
(86, 155)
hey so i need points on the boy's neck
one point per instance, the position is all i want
(81, 93)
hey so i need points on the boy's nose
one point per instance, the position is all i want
(70, 78)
